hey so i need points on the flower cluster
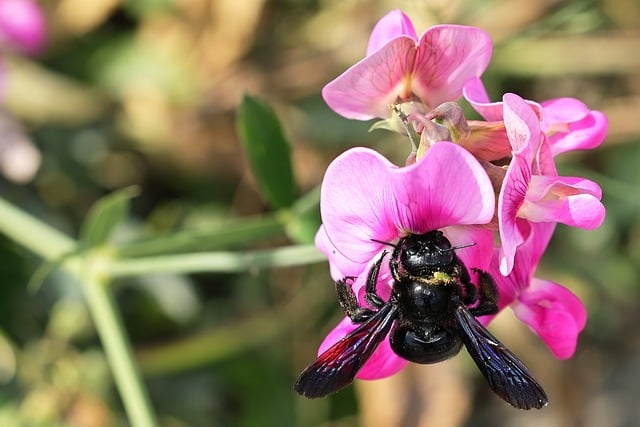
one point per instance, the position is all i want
(478, 181)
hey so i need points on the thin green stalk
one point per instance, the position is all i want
(221, 262)
(205, 238)
(32, 233)
(118, 350)
(51, 244)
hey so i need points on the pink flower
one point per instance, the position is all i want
(366, 200)
(569, 124)
(553, 312)
(22, 26)
(400, 67)
(532, 191)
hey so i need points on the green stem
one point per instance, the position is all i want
(118, 350)
(221, 262)
(32, 233)
(51, 244)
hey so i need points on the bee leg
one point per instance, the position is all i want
(371, 297)
(470, 295)
(488, 298)
(349, 302)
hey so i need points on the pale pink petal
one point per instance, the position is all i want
(522, 125)
(569, 200)
(585, 134)
(390, 26)
(554, 313)
(447, 57)
(475, 93)
(571, 125)
(366, 90)
(356, 201)
(383, 363)
(513, 230)
(339, 266)
(446, 187)
(563, 110)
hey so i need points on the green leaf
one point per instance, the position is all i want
(104, 216)
(268, 151)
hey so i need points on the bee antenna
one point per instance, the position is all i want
(453, 248)
(383, 243)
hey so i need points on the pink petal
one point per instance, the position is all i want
(554, 313)
(390, 26)
(365, 198)
(383, 363)
(356, 198)
(367, 89)
(446, 187)
(339, 266)
(478, 255)
(523, 126)
(538, 240)
(585, 134)
(475, 93)
(513, 231)
(447, 57)
(569, 200)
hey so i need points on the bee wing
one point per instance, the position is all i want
(338, 365)
(506, 374)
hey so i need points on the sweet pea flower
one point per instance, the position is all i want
(400, 67)
(569, 124)
(366, 200)
(552, 311)
(532, 191)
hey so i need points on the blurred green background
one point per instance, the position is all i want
(145, 93)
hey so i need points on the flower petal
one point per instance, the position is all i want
(390, 26)
(554, 313)
(366, 90)
(479, 254)
(447, 57)
(570, 200)
(571, 125)
(522, 125)
(355, 203)
(446, 187)
(513, 230)
(585, 134)
(475, 93)
(339, 266)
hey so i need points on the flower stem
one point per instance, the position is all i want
(220, 262)
(51, 244)
(118, 350)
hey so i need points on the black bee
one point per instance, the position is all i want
(431, 313)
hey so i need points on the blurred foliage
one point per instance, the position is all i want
(145, 93)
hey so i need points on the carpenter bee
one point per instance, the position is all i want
(430, 314)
